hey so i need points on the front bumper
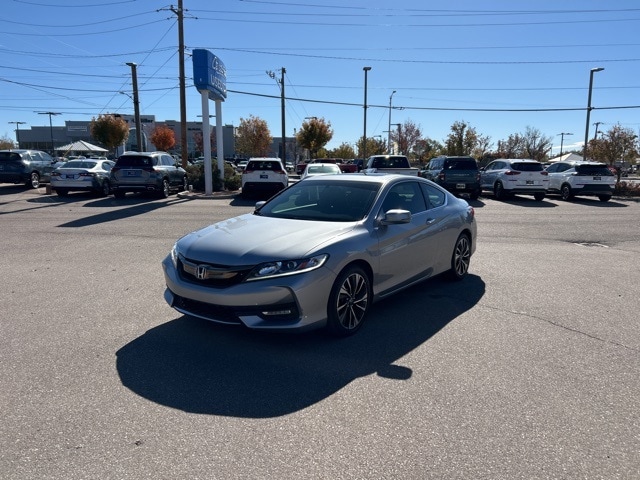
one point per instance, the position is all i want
(296, 302)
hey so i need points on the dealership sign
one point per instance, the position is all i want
(209, 74)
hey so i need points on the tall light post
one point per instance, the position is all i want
(389, 137)
(364, 136)
(586, 130)
(136, 104)
(17, 124)
(562, 135)
(397, 125)
(51, 114)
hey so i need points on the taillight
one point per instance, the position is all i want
(280, 171)
(55, 174)
(512, 172)
(544, 172)
(441, 176)
(247, 171)
(478, 177)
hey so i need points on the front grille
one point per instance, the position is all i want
(211, 275)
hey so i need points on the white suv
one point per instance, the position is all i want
(581, 178)
(506, 177)
(263, 175)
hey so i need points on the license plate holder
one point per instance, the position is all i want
(264, 176)
(461, 186)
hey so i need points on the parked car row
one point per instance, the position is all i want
(507, 177)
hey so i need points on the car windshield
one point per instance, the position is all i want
(323, 201)
(322, 169)
(527, 167)
(135, 161)
(264, 165)
(601, 170)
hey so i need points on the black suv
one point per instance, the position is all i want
(30, 167)
(459, 175)
(155, 172)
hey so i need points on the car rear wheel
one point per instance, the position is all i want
(34, 180)
(539, 196)
(164, 193)
(461, 257)
(349, 302)
(119, 194)
(565, 192)
(498, 191)
(62, 192)
(604, 198)
(106, 188)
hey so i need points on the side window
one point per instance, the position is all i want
(405, 196)
(435, 197)
(491, 166)
(553, 168)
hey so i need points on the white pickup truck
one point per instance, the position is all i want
(398, 164)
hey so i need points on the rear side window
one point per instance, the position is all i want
(9, 157)
(600, 170)
(527, 167)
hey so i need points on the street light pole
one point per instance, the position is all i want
(17, 124)
(136, 105)
(364, 136)
(562, 140)
(389, 137)
(586, 130)
(51, 114)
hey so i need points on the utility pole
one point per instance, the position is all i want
(284, 133)
(183, 95)
(136, 106)
(17, 124)
(50, 127)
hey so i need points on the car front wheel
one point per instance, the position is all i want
(106, 188)
(498, 191)
(349, 302)
(461, 257)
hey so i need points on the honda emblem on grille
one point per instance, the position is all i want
(201, 272)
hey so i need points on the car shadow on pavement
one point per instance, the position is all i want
(200, 367)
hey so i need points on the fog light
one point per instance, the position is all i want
(277, 312)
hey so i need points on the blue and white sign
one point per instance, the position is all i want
(209, 74)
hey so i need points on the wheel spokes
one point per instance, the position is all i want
(352, 301)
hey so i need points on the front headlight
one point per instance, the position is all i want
(286, 267)
(174, 255)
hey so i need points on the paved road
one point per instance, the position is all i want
(530, 368)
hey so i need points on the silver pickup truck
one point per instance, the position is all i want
(398, 164)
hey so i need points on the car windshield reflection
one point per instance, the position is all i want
(322, 201)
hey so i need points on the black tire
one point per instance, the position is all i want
(474, 195)
(34, 180)
(119, 194)
(498, 191)
(105, 190)
(349, 302)
(539, 196)
(62, 192)
(461, 257)
(164, 191)
(565, 192)
(604, 198)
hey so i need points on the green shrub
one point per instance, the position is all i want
(627, 189)
(195, 176)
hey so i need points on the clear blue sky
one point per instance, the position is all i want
(500, 66)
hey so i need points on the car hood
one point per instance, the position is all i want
(250, 239)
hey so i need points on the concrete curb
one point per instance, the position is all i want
(214, 196)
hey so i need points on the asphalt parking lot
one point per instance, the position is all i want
(529, 368)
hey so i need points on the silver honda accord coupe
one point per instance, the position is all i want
(321, 252)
